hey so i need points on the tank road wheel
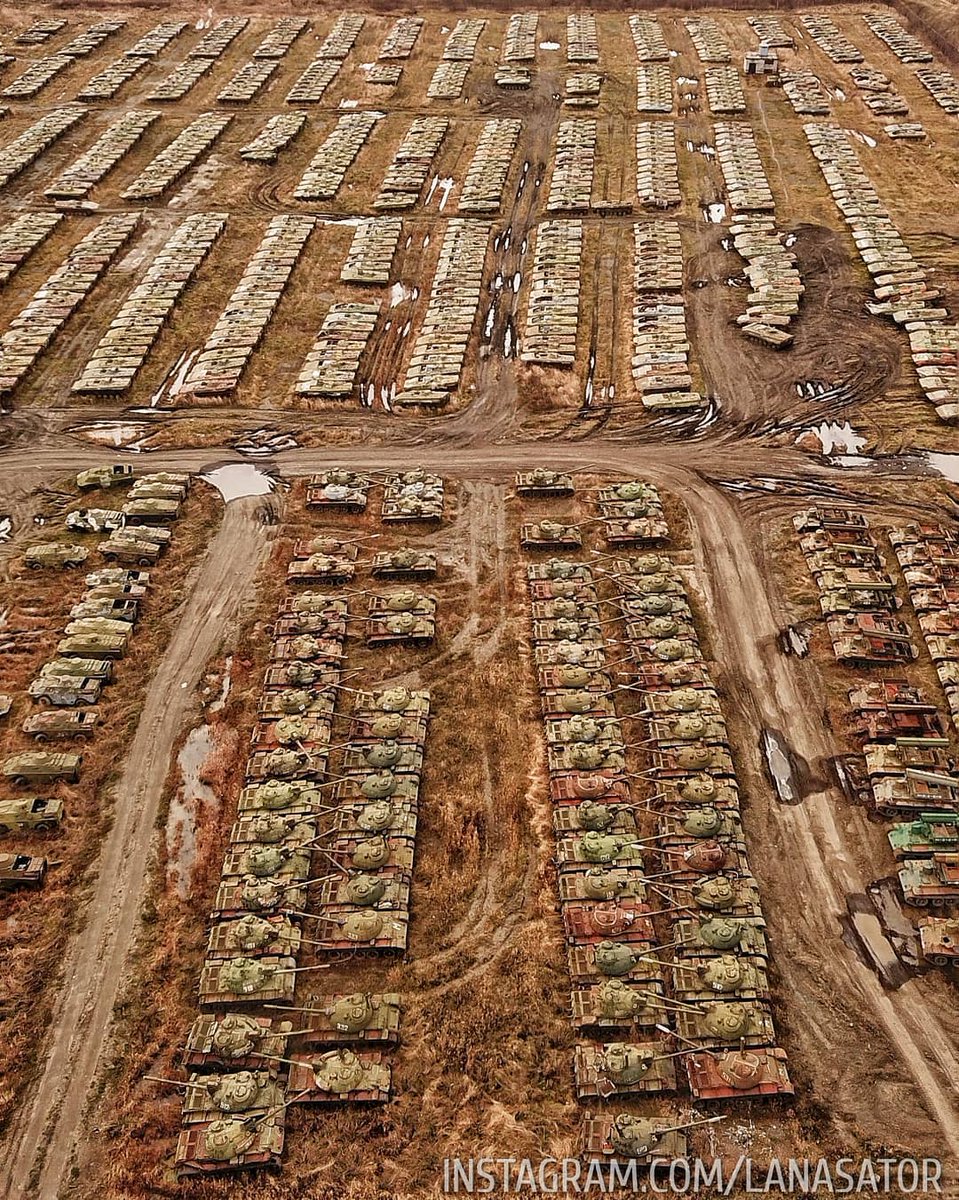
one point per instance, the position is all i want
(937, 960)
(144, 561)
(20, 780)
(43, 701)
(41, 826)
(40, 737)
(920, 901)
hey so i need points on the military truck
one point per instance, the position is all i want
(21, 870)
(64, 691)
(54, 554)
(150, 510)
(38, 764)
(131, 548)
(94, 520)
(115, 475)
(30, 812)
(79, 726)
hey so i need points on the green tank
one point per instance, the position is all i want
(341, 1072)
(363, 1017)
(54, 554)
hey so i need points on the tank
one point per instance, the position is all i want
(244, 981)
(235, 1041)
(404, 563)
(288, 702)
(72, 725)
(727, 1022)
(274, 828)
(286, 763)
(738, 1073)
(321, 568)
(623, 919)
(543, 482)
(112, 475)
(622, 1069)
(21, 870)
(589, 965)
(30, 812)
(338, 489)
(725, 975)
(416, 629)
(634, 526)
(602, 883)
(586, 756)
(618, 1004)
(932, 832)
(932, 881)
(339, 1076)
(254, 935)
(712, 936)
(94, 520)
(626, 1136)
(64, 691)
(377, 817)
(229, 1144)
(295, 729)
(39, 764)
(413, 496)
(550, 535)
(605, 787)
(594, 847)
(939, 940)
(357, 1017)
(130, 548)
(594, 816)
(282, 796)
(247, 1093)
(54, 554)
(630, 490)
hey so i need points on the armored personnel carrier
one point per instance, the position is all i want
(740, 1072)
(622, 1069)
(30, 812)
(152, 487)
(21, 870)
(54, 554)
(550, 535)
(339, 1076)
(93, 645)
(38, 764)
(113, 475)
(930, 881)
(130, 547)
(109, 608)
(235, 1041)
(543, 482)
(360, 1017)
(94, 520)
(64, 691)
(83, 626)
(338, 489)
(243, 981)
(230, 1144)
(150, 510)
(100, 669)
(118, 577)
(829, 517)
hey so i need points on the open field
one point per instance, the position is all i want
(742, 293)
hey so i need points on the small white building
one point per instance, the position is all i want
(764, 61)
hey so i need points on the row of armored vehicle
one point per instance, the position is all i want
(773, 275)
(657, 165)
(552, 312)
(856, 594)
(574, 158)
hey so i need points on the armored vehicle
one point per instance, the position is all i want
(602, 883)
(117, 575)
(939, 941)
(550, 535)
(623, 919)
(39, 764)
(712, 936)
(252, 1093)
(622, 1069)
(151, 487)
(543, 482)
(358, 1017)
(931, 833)
(243, 981)
(740, 1072)
(829, 518)
(235, 1041)
(629, 530)
(64, 691)
(115, 608)
(21, 870)
(86, 668)
(731, 1022)
(230, 1144)
(930, 881)
(590, 965)
(404, 563)
(180, 478)
(351, 931)
(130, 548)
(605, 787)
(416, 629)
(413, 496)
(338, 489)
(47, 726)
(31, 812)
(275, 795)
(98, 625)
(54, 554)
(592, 816)
(150, 510)
(94, 520)
(105, 477)
(725, 975)
(593, 847)
(6, 703)
(718, 893)
(642, 1139)
(341, 1075)
(254, 936)
(618, 1004)
(93, 645)
(321, 568)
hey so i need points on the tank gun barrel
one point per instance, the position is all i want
(693, 1048)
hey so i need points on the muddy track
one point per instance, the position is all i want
(42, 1145)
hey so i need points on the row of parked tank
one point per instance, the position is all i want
(856, 594)
(318, 859)
(716, 989)
(631, 513)
(68, 686)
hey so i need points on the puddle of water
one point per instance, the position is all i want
(191, 804)
(235, 480)
(777, 760)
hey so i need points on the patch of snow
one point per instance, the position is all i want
(235, 480)
(842, 438)
(6, 528)
(113, 433)
(946, 464)
(445, 186)
(863, 137)
(715, 213)
(790, 239)
(433, 186)
(349, 104)
(549, 45)
(398, 293)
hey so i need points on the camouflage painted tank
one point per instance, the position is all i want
(724, 975)
(274, 829)
(593, 816)
(543, 482)
(931, 833)
(709, 937)
(626, 1136)
(727, 1023)
(622, 1069)
(357, 1017)
(378, 817)
(253, 935)
(240, 894)
(277, 795)
(267, 861)
(235, 1041)
(550, 535)
(403, 563)
(602, 883)
(235, 982)
(741, 1072)
(250, 1093)
(229, 1144)
(285, 763)
(606, 755)
(341, 1075)
(939, 940)
(593, 847)
(296, 702)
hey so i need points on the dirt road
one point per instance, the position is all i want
(41, 1146)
